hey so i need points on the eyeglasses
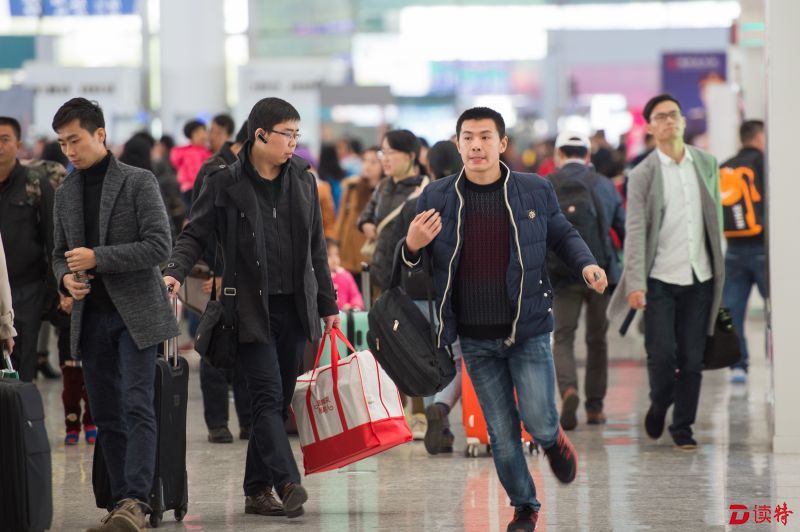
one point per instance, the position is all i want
(662, 117)
(382, 154)
(291, 136)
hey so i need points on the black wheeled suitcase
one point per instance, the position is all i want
(170, 486)
(26, 491)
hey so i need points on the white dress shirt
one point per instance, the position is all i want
(682, 240)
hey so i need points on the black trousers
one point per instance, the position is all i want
(676, 322)
(27, 301)
(271, 371)
(214, 385)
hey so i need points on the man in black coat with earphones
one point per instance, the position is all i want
(282, 286)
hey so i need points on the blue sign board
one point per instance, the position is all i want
(71, 8)
(686, 76)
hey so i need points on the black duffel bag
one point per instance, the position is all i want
(723, 349)
(403, 341)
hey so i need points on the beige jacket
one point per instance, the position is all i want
(6, 312)
(644, 214)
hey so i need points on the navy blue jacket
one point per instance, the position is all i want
(537, 225)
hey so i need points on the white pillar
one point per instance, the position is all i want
(751, 57)
(783, 115)
(192, 54)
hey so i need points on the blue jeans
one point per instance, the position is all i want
(742, 271)
(496, 371)
(120, 381)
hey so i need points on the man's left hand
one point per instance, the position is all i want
(331, 322)
(81, 259)
(596, 278)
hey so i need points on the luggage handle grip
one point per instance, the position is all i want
(171, 344)
(7, 359)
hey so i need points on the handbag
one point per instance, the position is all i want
(346, 411)
(191, 292)
(722, 349)
(403, 340)
(217, 338)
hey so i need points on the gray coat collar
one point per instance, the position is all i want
(112, 184)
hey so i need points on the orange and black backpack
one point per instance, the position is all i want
(741, 199)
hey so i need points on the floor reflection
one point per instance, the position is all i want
(626, 481)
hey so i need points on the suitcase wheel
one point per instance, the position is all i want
(533, 448)
(155, 519)
(471, 451)
(180, 513)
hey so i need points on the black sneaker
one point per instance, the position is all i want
(654, 422)
(264, 503)
(244, 432)
(293, 496)
(447, 441)
(220, 435)
(563, 458)
(684, 442)
(434, 434)
(43, 366)
(524, 520)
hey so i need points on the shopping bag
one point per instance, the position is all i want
(346, 411)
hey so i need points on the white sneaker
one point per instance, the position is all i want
(738, 376)
(419, 426)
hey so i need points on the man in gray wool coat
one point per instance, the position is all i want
(111, 233)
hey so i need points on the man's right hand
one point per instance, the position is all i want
(636, 300)
(370, 231)
(77, 289)
(423, 229)
(172, 285)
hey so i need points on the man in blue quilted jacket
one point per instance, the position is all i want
(487, 231)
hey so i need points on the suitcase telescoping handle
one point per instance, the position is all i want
(9, 373)
(366, 290)
(171, 344)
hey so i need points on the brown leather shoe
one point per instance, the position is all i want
(264, 503)
(596, 418)
(569, 408)
(293, 496)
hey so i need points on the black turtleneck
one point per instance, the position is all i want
(93, 178)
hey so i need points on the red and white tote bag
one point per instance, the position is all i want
(346, 411)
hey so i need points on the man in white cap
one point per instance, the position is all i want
(593, 206)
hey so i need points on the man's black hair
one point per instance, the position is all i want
(225, 121)
(167, 141)
(655, 100)
(145, 136)
(268, 113)
(574, 152)
(749, 130)
(356, 146)
(241, 136)
(482, 113)
(14, 123)
(192, 126)
(89, 115)
(405, 141)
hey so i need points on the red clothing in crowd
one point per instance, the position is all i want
(347, 293)
(187, 161)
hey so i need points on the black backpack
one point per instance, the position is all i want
(402, 340)
(582, 208)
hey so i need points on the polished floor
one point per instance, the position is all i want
(626, 481)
